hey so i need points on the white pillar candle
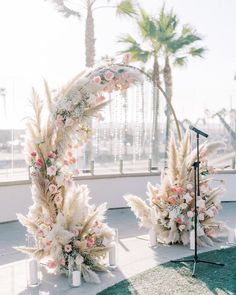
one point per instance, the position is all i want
(231, 236)
(76, 278)
(192, 240)
(112, 255)
(33, 272)
(152, 237)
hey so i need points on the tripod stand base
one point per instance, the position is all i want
(195, 261)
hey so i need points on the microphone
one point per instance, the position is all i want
(198, 131)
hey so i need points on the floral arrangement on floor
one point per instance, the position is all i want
(66, 228)
(171, 204)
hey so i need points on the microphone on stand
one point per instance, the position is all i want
(198, 131)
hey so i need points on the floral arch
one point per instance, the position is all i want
(66, 228)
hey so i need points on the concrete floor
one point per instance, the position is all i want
(134, 256)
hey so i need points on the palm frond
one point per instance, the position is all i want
(127, 8)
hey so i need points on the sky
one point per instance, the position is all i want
(37, 42)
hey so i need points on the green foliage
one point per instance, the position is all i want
(126, 8)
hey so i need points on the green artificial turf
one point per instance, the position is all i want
(176, 279)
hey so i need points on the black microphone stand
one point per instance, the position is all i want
(196, 165)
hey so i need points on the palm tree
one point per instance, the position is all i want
(147, 52)
(177, 47)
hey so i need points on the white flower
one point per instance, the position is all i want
(173, 214)
(201, 216)
(52, 170)
(79, 259)
(181, 227)
(188, 198)
(52, 188)
(60, 179)
(189, 186)
(210, 213)
(183, 205)
(201, 203)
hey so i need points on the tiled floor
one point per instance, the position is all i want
(134, 253)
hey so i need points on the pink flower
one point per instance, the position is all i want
(210, 232)
(52, 170)
(179, 220)
(40, 232)
(72, 160)
(90, 241)
(51, 155)
(100, 98)
(52, 188)
(108, 75)
(179, 191)
(68, 248)
(70, 154)
(202, 210)
(76, 172)
(65, 162)
(126, 58)
(190, 214)
(58, 199)
(48, 243)
(211, 170)
(62, 261)
(39, 163)
(172, 200)
(52, 264)
(33, 154)
(97, 79)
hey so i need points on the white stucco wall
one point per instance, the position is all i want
(16, 197)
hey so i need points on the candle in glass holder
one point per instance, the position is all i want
(192, 240)
(113, 255)
(152, 237)
(33, 272)
(76, 278)
(231, 236)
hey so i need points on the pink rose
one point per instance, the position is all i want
(108, 75)
(179, 191)
(52, 188)
(100, 98)
(68, 248)
(39, 163)
(40, 232)
(48, 243)
(65, 162)
(211, 170)
(190, 214)
(179, 220)
(72, 160)
(172, 200)
(90, 241)
(33, 154)
(51, 155)
(51, 264)
(97, 79)
(52, 170)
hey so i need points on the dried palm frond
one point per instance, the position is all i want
(172, 160)
(89, 275)
(140, 209)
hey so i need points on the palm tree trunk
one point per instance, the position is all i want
(169, 92)
(155, 110)
(143, 121)
(89, 36)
